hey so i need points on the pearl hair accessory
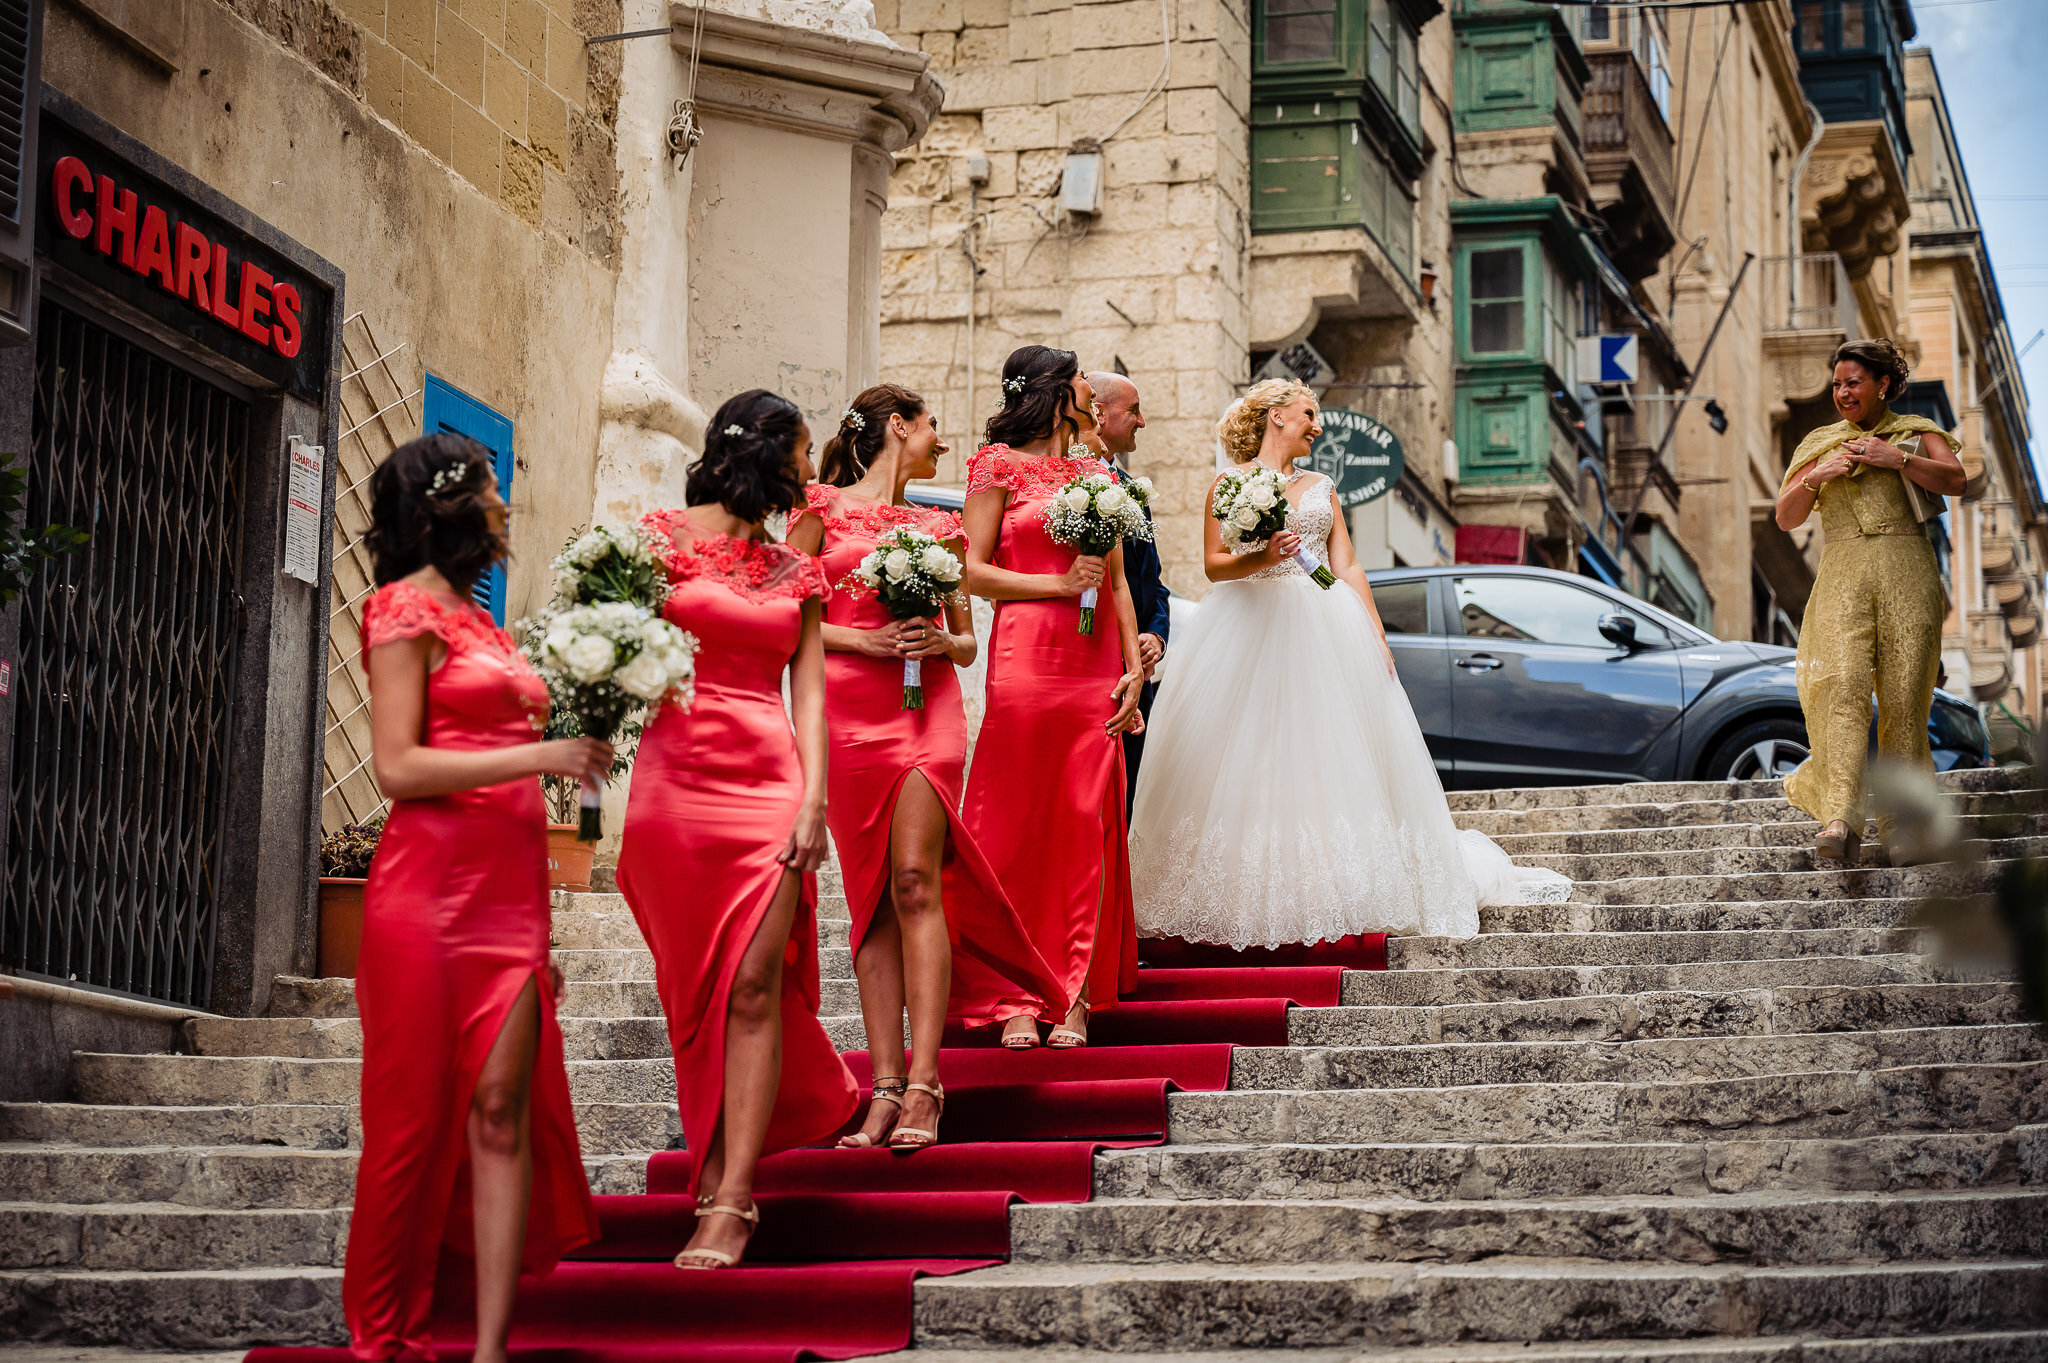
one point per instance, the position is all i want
(734, 430)
(1015, 385)
(448, 476)
(854, 419)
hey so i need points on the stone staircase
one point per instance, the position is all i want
(1716, 1108)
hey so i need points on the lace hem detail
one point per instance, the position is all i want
(1276, 887)
(875, 519)
(401, 610)
(1027, 475)
(755, 570)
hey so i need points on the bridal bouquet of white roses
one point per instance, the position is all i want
(1094, 514)
(603, 649)
(913, 575)
(1252, 504)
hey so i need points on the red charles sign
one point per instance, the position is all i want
(143, 237)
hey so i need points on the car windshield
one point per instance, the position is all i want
(1541, 611)
(1956, 726)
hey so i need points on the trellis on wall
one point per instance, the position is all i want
(379, 411)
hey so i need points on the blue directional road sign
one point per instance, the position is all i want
(1609, 357)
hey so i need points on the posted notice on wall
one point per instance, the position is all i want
(302, 511)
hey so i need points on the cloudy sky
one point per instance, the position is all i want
(1989, 54)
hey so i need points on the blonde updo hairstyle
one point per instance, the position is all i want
(1243, 427)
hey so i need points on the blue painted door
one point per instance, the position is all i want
(448, 408)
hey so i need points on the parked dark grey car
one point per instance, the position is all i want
(1524, 676)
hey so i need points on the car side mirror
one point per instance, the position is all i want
(1620, 630)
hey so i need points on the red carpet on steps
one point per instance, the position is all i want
(845, 1234)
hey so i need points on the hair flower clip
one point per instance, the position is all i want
(448, 476)
(734, 430)
(854, 419)
(1015, 385)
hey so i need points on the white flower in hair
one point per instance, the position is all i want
(854, 419)
(734, 430)
(449, 475)
(1015, 385)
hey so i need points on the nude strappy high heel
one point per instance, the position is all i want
(921, 1137)
(889, 1090)
(1025, 1040)
(718, 1258)
(1065, 1038)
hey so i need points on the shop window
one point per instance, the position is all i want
(1495, 300)
(447, 408)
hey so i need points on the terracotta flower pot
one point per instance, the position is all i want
(568, 859)
(341, 926)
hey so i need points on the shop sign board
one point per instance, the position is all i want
(1361, 456)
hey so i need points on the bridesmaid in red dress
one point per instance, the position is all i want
(929, 918)
(466, 1116)
(726, 826)
(1045, 798)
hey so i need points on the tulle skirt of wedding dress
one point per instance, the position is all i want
(1287, 795)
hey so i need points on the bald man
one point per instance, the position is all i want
(1119, 420)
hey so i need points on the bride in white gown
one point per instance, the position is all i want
(1287, 795)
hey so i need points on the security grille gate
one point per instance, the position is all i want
(124, 692)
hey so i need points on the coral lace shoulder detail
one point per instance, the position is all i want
(400, 610)
(875, 519)
(753, 569)
(1027, 475)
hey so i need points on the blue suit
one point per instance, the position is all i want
(1148, 596)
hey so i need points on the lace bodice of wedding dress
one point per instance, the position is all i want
(1310, 516)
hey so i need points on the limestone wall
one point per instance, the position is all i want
(1158, 280)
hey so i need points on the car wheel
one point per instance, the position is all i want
(1767, 750)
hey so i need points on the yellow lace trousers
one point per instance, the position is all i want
(1873, 624)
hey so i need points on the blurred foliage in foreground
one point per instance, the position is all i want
(2002, 927)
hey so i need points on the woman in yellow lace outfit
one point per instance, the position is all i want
(1873, 622)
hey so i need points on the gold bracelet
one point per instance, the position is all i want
(1808, 486)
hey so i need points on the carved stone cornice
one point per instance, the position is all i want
(1298, 278)
(1799, 364)
(1853, 200)
(778, 67)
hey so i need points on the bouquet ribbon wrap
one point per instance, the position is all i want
(1315, 568)
(1088, 600)
(590, 810)
(913, 683)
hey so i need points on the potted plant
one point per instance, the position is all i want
(344, 869)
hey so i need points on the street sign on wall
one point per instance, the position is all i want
(1358, 454)
(1609, 357)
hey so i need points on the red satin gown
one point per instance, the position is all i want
(876, 745)
(1045, 800)
(455, 922)
(716, 789)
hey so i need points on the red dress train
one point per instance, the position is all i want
(455, 923)
(716, 789)
(1045, 799)
(876, 744)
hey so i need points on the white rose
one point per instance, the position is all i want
(589, 658)
(588, 550)
(897, 564)
(1077, 499)
(1144, 486)
(1110, 501)
(679, 662)
(654, 634)
(1245, 518)
(1260, 496)
(939, 562)
(644, 677)
(557, 643)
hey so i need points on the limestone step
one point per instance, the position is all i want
(1440, 1170)
(1708, 837)
(1746, 861)
(2004, 1346)
(1988, 1097)
(1774, 915)
(580, 927)
(1771, 809)
(1763, 1228)
(601, 1128)
(1207, 1307)
(1527, 949)
(162, 1237)
(249, 1176)
(1514, 983)
(1671, 792)
(1654, 1060)
(174, 1310)
(1631, 1017)
(1881, 882)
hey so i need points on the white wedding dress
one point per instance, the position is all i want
(1287, 795)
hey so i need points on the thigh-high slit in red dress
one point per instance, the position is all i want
(455, 923)
(876, 745)
(716, 790)
(1045, 797)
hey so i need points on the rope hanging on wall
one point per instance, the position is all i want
(684, 131)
